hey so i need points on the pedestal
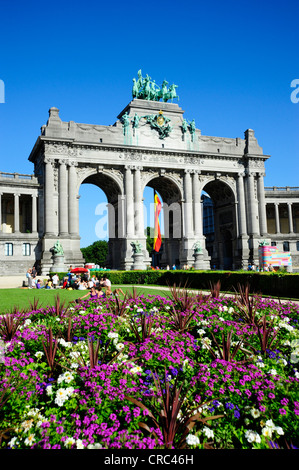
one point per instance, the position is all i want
(58, 264)
(138, 261)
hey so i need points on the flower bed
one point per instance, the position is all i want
(184, 372)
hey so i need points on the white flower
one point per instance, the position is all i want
(252, 436)
(192, 440)
(270, 424)
(66, 344)
(208, 432)
(13, 442)
(66, 377)
(39, 354)
(201, 332)
(27, 322)
(26, 425)
(69, 442)
(49, 390)
(205, 343)
(279, 430)
(79, 444)
(112, 335)
(136, 369)
(267, 432)
(94, 446)
(29, 440)
(63, 394)
(120, 346)
(272, 372)
(255, 413)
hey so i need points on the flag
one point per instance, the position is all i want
(157, 232)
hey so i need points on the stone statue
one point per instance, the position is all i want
(135, 89)
(57, 249)
(184, 126)
(197, 247)
(137, 247)
(192, 127)
(263, 243)
(126, 122)
(139, 81)
(135, 121)
(146, 89)
(160, 123)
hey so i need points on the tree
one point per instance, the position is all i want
(96, 253)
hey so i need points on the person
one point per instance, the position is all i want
(33, 273)
(90, 283)
(93, 294)
(39, 284)
(29, 278)
(55, 280)
(105, 282)
(69, 275)
(49, 284)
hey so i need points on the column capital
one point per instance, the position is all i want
(72, 163)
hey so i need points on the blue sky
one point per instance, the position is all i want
(233, 62)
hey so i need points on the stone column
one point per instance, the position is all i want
(139, 223)
(129, 202)
(197, 206)
(252, 205)
(48, 196)
(73, 209)
(290, 213)
(34, 214)
(277, 222)
(63, 199)
(1, 212)
(241, 205)
(188, 212)
(262, 204)
(16, 213)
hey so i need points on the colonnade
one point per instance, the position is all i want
(16, 205)
(277, 216)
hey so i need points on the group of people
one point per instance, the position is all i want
(97, 288)
(35, 283)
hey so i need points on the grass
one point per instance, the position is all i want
(9, 298)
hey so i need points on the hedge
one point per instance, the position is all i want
(273, 284)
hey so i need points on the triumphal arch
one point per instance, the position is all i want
(151, 144)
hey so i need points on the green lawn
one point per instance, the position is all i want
(21, 297)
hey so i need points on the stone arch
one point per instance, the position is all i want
(170, 188)
(222, 245)
(112, 186)
(108, 180)
(166, 184)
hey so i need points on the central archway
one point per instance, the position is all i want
(170, 193)
(222, 204)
